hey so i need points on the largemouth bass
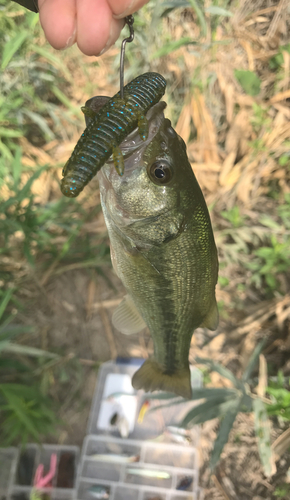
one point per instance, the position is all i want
(109, 121)
(162, 249)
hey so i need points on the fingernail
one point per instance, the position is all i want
(109, 43)
(71, 40)
(127, 11)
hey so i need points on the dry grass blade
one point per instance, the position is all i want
(206, 131)
(220, 487)
(263, 379)
(109, 333)
(281, 445)
(263, 312)
(263, 434)
(280, 11)
(106, 303)
(90, 298)
(183, 125)
(281, 96)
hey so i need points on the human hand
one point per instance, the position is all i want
(94, 25)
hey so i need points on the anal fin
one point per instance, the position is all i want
(211, 320)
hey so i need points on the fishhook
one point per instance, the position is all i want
(129, 20)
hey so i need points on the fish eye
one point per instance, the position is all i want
(160, 172)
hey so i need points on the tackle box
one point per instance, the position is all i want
(118, 426)
(17, 471)
(168, 458)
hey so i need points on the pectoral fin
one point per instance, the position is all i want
(118, 160)
(126, 318)
(211, 320)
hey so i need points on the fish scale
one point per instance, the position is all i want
(108, 128)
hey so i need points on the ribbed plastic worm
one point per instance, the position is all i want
(107, 128)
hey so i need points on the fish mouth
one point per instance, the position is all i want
(132, 149)
(133, 146)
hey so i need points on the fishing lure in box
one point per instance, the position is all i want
(107, 126)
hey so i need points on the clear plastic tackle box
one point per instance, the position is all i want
(160, 460)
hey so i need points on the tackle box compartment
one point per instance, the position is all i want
(23, 464)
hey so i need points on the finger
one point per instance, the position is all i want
(122, 8)
(58, 20)
(97, 30)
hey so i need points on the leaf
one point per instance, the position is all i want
(253, 360)
(224, 372)
(26, 190)
(200, 16)
(28, 351)
(269, 222)
(18, 406)
(263, 433)
(225, 428)
(12, 46)
(212, 408)
(5, 301)
(41, 122)
(170, 5)
(218, 11)
(249, 81)
(208, 393)
(54, 60)
(9, 331)
(66, 101)
(9, 132)
(17, 166)
(171, 46)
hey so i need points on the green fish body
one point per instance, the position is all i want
(162, 249)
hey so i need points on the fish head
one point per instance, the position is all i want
(149, 196)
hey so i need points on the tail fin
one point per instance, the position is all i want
(151, 378)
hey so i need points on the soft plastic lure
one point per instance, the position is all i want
(107, 128)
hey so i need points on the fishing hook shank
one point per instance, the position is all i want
(129, 20)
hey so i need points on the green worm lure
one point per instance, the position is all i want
(107, 128)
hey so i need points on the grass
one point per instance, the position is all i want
(25, 412)
(227, 97)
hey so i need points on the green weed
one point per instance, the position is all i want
(249, 81)
(277, 61)
(270, 261)
(29, 106)
(226, 404)
(25, 412)
(260, 120)
(234, 216)
(279, 391)
(282, 491)
(33, 230)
